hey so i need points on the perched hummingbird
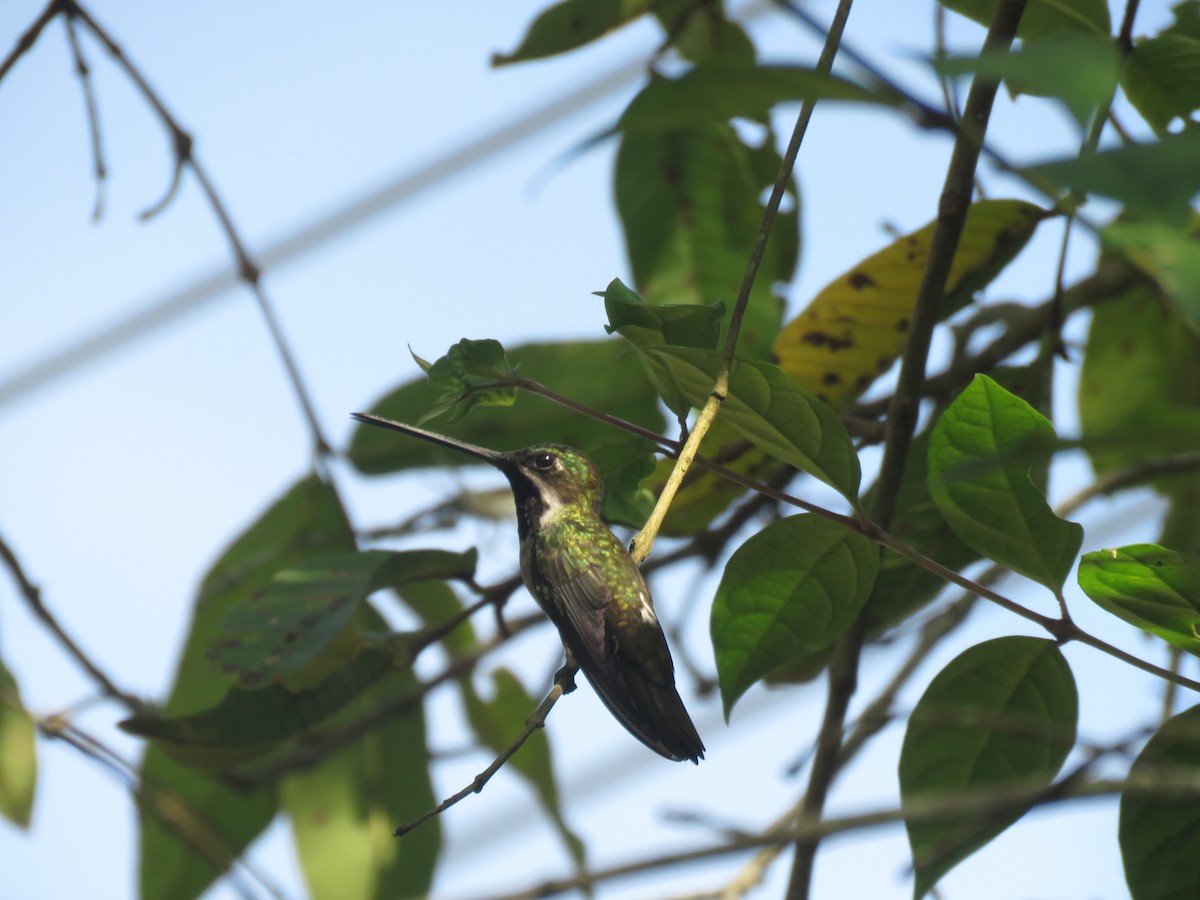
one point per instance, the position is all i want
(584, 579)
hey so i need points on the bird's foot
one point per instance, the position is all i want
(565, 677)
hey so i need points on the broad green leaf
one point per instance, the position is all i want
(690, 206)
(855, 328)
(1187, 19)
(983, 453)
(194, 826)
(701, 33)
(568, 367)
(18, 753)
(570, 24)
(435, 603)
(1162, 79)
(789, 590)
(1078, 69)
(344, 810)
(466, 377)
(682, 326)
(279, 630)
(1001, 714)
(1168, 255)
(768, 409)
(1160, 834)
(625, 463)
(249, 723)
(1044, 17)
(1154, 588)
(1155, 181)
(711, 93)
(497, 721)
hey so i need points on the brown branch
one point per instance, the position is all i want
(33, 599)
(30, 37)
(99, 169)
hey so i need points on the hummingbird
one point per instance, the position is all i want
(588, 585)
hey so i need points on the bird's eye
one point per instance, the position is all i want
(543, 461)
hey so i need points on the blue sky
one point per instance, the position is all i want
(124, 478)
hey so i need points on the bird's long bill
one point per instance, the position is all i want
(488, 456)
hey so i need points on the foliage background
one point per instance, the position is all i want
(124, 478)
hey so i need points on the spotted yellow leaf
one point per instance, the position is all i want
(854, 329)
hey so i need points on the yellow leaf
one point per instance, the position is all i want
(854, 329)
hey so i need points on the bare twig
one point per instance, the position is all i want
(33, 598)
(99, 169)
(532, 724)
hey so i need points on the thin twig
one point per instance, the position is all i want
(33, 598)
(902, 418)
(532, 724)
(30, 37)
(99, 169)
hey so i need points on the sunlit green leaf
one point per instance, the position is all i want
(1001, 714)
(1170, 256)
(983, 455)
(18, 753)
(683, 326)
(467, 377)
(789, 590)
(1160, 834)
(1154, 588)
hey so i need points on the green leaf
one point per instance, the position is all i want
(624, 464)
(569, 367)
(343, 810)
(1154, 181)
(768, 409)
(1002, 714)
(277, 631)
(1162, 79)
(1044, 17)
(1078, 69)
(462, 374)
(711, 93)
(570, 24)
(18, 753)
(194, 826)
(789, 590)
(682, 326)
(1156, 589)
(702, 33)
(1169, 255)
(497, 722)
(983, 453)
(690, 206)
(1159, 835)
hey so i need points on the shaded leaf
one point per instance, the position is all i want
(710, 93)
(789, 590)
(1079, 69)
(1168, 255)
(1003, 713)
(569, 367)
(1154, 181)
(855, 328)
(1162, 79)
(983, 453)
(193, 826)
(1160, 835)
(571, 24)
(690, 207)
(624, 465)
(1154, 588)
(18, 753)
(344, 810)
(277, 631)
(1044, 17)
(701, 33)
(497, 722)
